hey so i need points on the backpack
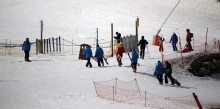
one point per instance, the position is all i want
(191, 35)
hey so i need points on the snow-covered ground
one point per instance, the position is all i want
(60, 80)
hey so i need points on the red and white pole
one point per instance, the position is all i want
(197, 101)
(181, 53)
(206, 41)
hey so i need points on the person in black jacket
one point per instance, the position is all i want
(143, 44)
(118, 36)
(168, 73)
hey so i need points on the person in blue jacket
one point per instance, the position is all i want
(159, 72)
(88, 53)
(99, 54)
(134, 59)
(174, 40)
(26, 46)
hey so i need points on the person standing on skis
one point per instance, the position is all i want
(119, 54)
(143, 43)
(134, 60)
(159, 72)
(168, 73)
(88, 53)
(174, 40)
(99, 54)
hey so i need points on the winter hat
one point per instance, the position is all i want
(120, 43)
(187, 30)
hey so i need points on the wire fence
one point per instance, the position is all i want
(128, 92)
(13, 47)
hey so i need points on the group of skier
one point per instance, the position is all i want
(174, 40)
(159, 71)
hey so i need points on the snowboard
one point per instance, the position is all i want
(105, 59)
(176, 82)
(132, 65)
(94, 58)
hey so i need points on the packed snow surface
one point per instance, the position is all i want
(62, 81)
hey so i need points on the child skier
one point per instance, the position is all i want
(161, 44)
(159, 72)
(99, 54)
(134, 60)
(88, 53)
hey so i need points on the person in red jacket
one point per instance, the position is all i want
(188, 39)
(119, 54)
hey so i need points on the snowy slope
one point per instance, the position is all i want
(80, 18)
(55, 81)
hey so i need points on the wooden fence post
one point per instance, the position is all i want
(59, 44)
(53, 44)
(112, 39)
(44, 45)
(56, 44)
(49, 45)
(36, 46)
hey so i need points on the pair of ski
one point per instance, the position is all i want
(132, 65)
(96, 59)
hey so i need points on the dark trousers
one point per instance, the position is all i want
(142, 52)
(88, 63)
(174, 47)
(26, 57)
(190, 46)
(100, 60)
(134, 65)
(170, 77)
(160, 78)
